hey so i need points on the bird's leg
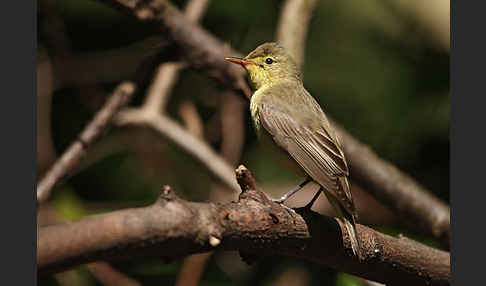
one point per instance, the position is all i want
(309, 205)
(295, 190)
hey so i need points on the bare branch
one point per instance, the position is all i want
(200, 48)
(192, 121)
(172, 130)
(195, 9)
(109, 276)
(167, 74)
(90, 134)
(104, 272)
(382, 179)
(232, 135)
(204, 50)
(396, 189)
(293, 25)
(163, 82)
(192, 269)
(172, 228)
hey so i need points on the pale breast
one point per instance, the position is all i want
(254, 102)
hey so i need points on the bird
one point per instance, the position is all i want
(294, 130)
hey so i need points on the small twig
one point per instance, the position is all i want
(192, 121)
(293, 25)
(396, 189)
(167, 74)
(232, 134)
(173, 131)
(90, 134)
(159, 91)
(172, 228)
(150, 112)
(200, 48)
(203, 50)
(192, 269)
(109, 276)
(382, 179)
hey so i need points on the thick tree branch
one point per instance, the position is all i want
(199, 47)
(232, 138)
(90, 134)
(396, 189)
(381, 178)
(102, 271)
(205, 51)
(146, 117)
(172, 228)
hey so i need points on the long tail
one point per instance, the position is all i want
(349, 222)
(351, 228)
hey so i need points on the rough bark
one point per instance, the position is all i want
(172, 228)
(396, 189)
(202, 50)
(198, 46)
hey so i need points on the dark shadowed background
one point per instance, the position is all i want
(379, 68)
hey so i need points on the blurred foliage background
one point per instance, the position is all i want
(377, 67)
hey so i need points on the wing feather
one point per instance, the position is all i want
(314, 148)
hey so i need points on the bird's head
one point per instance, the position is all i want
(267, 65)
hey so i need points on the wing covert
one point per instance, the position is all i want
(311, 146)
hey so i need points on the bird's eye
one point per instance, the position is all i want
(269, 61)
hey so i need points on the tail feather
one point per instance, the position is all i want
(349, 222)
(353, 237)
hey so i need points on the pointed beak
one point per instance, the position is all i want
(239, 61)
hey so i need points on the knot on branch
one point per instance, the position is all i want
(148, 9)
(166, 195)
(249, 190)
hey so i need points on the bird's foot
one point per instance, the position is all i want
(291, 192)
(281, 202)
(311, 203)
